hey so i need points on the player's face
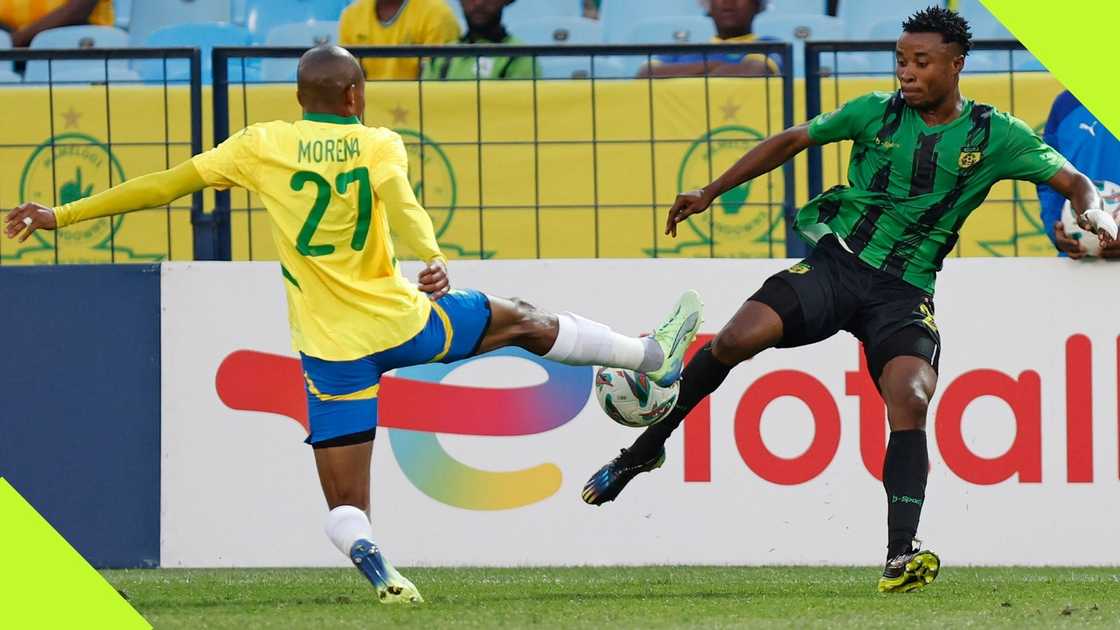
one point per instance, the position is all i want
(482, 13)
(927, 69)
(732, 14)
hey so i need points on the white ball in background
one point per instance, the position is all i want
(1110, 193)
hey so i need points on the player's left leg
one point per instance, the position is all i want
(342, 413)
(904, 366)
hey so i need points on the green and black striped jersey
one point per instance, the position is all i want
(911, 186)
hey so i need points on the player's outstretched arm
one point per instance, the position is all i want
(146, 191)
(763, 158)
(412, 225)
(1086, 201)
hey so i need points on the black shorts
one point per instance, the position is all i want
(833, 290)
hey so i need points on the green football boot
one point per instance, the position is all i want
(676, 335)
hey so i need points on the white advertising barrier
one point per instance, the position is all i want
(780, 468)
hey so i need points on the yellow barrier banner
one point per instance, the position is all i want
(507, 169)
(61, 144)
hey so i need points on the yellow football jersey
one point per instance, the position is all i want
(417, 23)
(317, 178)
(16, 14)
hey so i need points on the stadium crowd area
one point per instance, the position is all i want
(66, 24)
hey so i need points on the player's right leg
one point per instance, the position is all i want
(574, 340)
(754, 328)
(342, 414)
(795, 307)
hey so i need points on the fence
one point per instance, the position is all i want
(83, 120)
(578, 160)
(999, 72)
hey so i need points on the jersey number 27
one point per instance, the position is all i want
(323, 200)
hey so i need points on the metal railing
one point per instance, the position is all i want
(602, 67)
(75, 160)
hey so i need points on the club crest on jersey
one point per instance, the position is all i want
(969, 158)
(800, 268)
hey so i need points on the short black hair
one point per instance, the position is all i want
(952, 27)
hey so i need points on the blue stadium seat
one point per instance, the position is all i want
(1026, 62)
(670, 30)
(149, 16)
(534, 9)
(6, 74)
(304, 34)
(878, 63)
(860, 15)
(457, 9)
(557, 30)
(580, 68)
(560, 31)
(796, 29)
(122, 13)
(81, 37)
(982, 23)
(261, 16)
(800, 7)
(618, 16)
(204, 36)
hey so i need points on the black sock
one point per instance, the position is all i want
(703, 374)
(905, 469)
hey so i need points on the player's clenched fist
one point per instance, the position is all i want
(686, 205)
(27, 218)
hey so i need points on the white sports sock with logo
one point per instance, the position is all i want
(581, 341)
(346, 525)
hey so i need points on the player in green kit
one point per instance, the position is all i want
(923, 159)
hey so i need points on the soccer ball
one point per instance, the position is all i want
(631, 399)
(1110, 194)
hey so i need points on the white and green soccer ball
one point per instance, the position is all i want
(631, 399)
(1110, 194)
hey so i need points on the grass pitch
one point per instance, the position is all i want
(630, 597)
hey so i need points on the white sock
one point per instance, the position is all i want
(346, 525)
(581, 341)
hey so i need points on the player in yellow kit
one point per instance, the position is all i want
(334, 190)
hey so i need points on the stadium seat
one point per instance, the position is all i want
(122, 13)
(204, 36)
(6, 74)
(303, 34)
(877, 63)
(148, 16)
(669, 30)
(1026, 62)
(523, 10)
(560, 31)
(457, 8)
(557, 30)
(580, 68)
(618, 16)
(859, 16)
(983, 24)
(796, 29)
(800, 7)
(79, 37)
(260, 17)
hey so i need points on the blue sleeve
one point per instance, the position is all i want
(1050, 200)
